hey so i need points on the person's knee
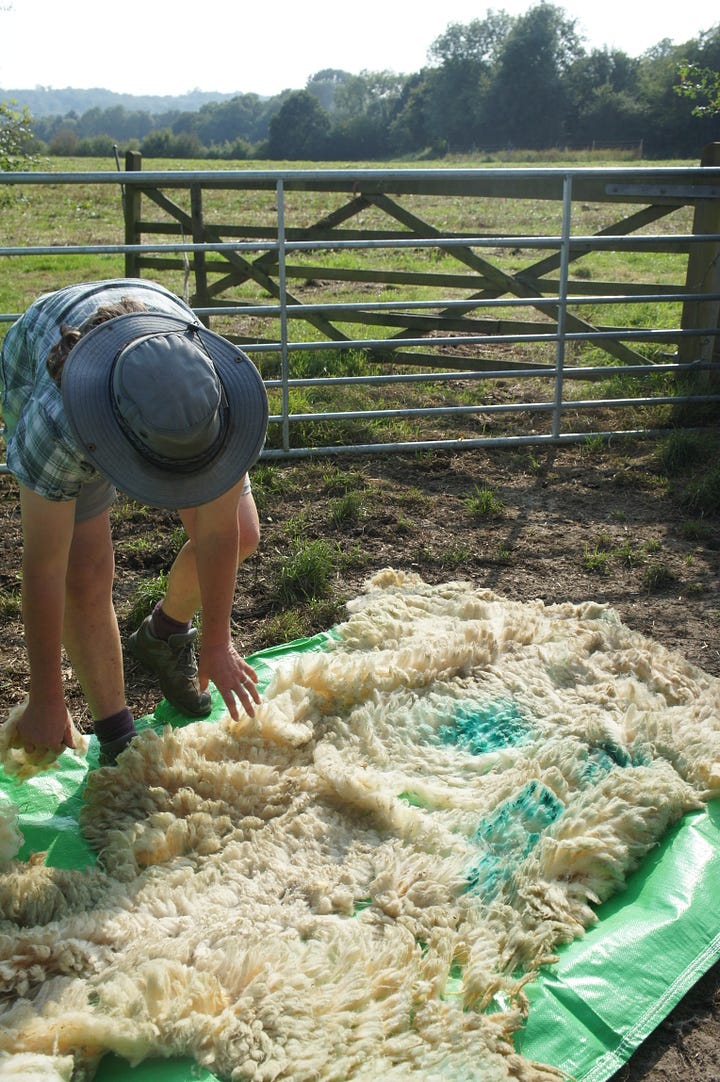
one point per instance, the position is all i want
(249, 541)
(90, 578)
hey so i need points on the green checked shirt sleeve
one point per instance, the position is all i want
(41, 451)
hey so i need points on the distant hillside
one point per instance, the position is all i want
(48, 101)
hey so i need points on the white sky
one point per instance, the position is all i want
(145, 47)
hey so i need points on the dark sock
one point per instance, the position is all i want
(117, 727)
(163, 626)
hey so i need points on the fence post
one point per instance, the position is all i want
(131, 207)
(198, 258)
(703, 276)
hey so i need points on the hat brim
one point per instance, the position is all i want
(85, 389)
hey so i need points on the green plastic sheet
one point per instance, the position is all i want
(653, 941)
(588, 1012)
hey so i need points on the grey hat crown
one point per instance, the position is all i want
(168, 398)
(172, 413)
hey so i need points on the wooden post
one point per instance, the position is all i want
(199, 263)
(131, 205)
(703, 276)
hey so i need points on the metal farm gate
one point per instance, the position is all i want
(298, 263)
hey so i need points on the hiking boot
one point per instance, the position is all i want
(175, 665)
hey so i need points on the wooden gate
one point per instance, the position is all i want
(371, 208)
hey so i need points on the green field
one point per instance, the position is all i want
(92, 214)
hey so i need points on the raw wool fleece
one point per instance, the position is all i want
(357, 883)
(22, 764)
(10, 836)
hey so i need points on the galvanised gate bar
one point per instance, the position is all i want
(291, 263)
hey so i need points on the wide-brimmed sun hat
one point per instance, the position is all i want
(172, 413)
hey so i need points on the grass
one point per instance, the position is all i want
(10, 603)
(701, 497)
(306, 573)
(658, 576)
(484, 503)
(297, 623)
(599, 557)
(592, 446)
(629, 555)
(144, 599)
(348, 509)
(340, 481)
(690, 459)
(694, 529)
(596, 559)
(455, 556)
(682, 449)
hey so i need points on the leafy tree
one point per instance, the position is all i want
(300, 128)
(167, 144)
(669, 130)
(96, 146)
(700, 83)
(502, 80)
(365, 107)
(699, 73)
(411, 130)
(529, 97)
(65, 142)
(602, 67)
(455, 92)
(117, 123)
(602, 99)
(230, 150)
(15, 137)
(245, 116)
(324, 85)
(478, 42)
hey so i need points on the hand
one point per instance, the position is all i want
(45, 728)
(231, 675)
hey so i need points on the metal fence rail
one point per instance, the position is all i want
(696, 344)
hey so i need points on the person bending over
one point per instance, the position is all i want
(116, 385)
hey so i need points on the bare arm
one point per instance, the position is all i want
(47, 533)
(216, 539)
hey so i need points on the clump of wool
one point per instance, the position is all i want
(360, 881)
(16, 761)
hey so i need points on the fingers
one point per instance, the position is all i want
(40, 749)
(235, 680)
(35, 743)
(22, 742)
(248, 694)
(249, 671)
(67, 740)
(231, 704)
(249, 686)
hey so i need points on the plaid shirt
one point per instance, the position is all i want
(41, 451)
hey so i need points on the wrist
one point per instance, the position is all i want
(216, 643)
(46, 699)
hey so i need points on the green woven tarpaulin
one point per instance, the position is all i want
(588, 1012)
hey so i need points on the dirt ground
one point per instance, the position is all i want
(575, 523)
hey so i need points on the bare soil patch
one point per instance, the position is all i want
(576, 523)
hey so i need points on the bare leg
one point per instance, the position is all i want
(182, 599)
(90, 631)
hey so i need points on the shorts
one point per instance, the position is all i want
(97, 496)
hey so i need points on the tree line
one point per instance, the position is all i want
(497, 83)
